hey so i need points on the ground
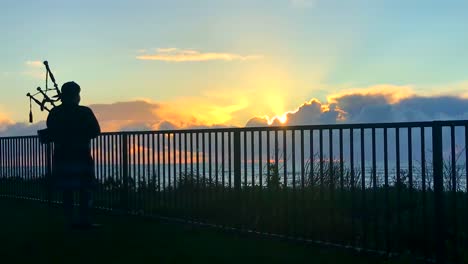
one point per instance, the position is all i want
(33, 233)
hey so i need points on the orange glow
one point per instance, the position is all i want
(191, 111)
(233, 107)
(4, 118)
(181, 113)
(4, 121)
(267, 82)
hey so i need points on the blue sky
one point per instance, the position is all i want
(247, 58)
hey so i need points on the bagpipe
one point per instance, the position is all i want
(45, 101)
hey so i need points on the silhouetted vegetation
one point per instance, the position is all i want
(328, 205)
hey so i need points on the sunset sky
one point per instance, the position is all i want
(202, 63)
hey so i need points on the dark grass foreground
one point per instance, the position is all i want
(33, 233)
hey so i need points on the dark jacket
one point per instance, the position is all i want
(71, 128)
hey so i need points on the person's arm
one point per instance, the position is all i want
(93, 128)
(51, 124)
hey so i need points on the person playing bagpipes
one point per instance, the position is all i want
(71, 127)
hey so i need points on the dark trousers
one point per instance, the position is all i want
(84, 207)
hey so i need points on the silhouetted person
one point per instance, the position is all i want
(71, 128)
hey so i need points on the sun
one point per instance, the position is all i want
(281, 118)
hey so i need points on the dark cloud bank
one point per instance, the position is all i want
(358, 108)
(353, 108)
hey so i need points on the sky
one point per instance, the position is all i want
(178, 64)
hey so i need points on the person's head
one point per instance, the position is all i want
(70, 93)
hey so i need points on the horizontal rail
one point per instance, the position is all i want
(298, 127)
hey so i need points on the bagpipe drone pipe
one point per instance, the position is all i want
(46, 102)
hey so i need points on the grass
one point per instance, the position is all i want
(33, 233)
(403, 222)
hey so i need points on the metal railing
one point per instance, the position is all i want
(388, 188)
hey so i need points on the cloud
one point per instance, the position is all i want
(34, 64)
(311, 112)
(381, 103)
(31, 68)
(133, 115)
(10, 128)
(34, 68)
(5, 122)
(188, 55)
(391, 93)
(209, 110)
(20, 129)
(303, 3)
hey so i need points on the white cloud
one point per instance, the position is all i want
(34, 64)
(34, 69)
(189, 55)
(303, 3)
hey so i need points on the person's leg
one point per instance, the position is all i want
(68, 206)
(85, 200)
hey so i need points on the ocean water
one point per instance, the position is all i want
(165, 175)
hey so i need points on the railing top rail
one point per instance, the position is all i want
(19, 137)
(304, 127)
(444, 123)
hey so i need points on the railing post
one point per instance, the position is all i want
(124, 156)
(237, 177)
(237, 161)
(48, 174)
(437, 158)
(2, 172)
